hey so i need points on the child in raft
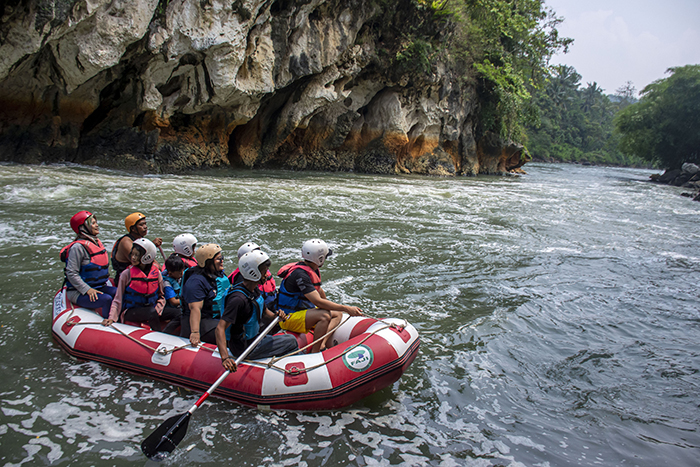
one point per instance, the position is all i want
(140, 293)
(172, 275)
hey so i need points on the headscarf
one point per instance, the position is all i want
(85, 231)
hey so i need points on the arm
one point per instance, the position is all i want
(220, 332)
(124, 250)
(76, 256)
(116, 307)
(160, 303)
(195, 317)
(315, 298)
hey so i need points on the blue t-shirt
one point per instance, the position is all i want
(197, 289)
(172, 286)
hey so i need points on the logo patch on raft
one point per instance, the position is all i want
(359, 359)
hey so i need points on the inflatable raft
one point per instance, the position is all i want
(370, 355)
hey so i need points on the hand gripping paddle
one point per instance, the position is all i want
(168, 435)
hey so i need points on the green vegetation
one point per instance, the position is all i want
(501, 46)
(664, 126)
(575, 123)
(510, 43)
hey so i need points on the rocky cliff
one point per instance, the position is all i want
(167, 86)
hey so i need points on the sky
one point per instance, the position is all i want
(616, 41)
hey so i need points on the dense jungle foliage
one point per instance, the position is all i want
(664, 126)
(575, 123)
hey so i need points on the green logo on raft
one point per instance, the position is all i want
(359, 359)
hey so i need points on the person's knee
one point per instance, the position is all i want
(326, 316)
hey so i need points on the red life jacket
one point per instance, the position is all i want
(269, 287)
(189, 262)
(288, 268)
(143, 289)
(96, 272)
(288, 301)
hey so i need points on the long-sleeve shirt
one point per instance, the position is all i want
(78, 257)
(124, 280)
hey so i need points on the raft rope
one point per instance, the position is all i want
(271, 364)
(297, 371)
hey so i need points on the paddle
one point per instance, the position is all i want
(167, 436)
(162, 253)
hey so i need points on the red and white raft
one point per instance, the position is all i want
(370, 355)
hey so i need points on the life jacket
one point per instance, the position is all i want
(142, 290)
(267, 289)
(96, 272)
(252, 323)
(222, 285)
(189, 262)
(118, 266)
(211, 307)
(174, 283)
(289, 302)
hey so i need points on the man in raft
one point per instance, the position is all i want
(136, 227)
(87, 266)
(244, 310)
(268, 288)
(303, 299)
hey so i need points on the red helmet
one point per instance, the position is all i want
(79, 219)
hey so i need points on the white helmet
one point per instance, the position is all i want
(247, 247)
(249, 263)
(315, 251)
(150, 248)
(184, 244)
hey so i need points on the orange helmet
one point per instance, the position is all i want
(132, 219)
(79, 219)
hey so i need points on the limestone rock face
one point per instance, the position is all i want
(162, 85)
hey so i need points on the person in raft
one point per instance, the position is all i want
(136, 227)
(172, 275)
(302, 297)
(201, 285)
(87, 266)
(268, 287)
(244, 310)
(140, 296)
(184, 246)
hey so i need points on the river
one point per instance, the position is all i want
(559, 316)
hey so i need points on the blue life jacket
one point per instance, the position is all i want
(173, 283)
(289, 302)
(222, 286)
(252, 326)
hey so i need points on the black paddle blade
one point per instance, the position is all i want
(165, 439)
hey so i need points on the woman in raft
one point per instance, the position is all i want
(87, 266)
(140, 296)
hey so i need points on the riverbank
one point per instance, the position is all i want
(688, 176)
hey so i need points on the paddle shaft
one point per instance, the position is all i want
(162, 253)
(238, 360)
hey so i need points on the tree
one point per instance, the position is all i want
(512, 43)
(626, 95)
(664, 126)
